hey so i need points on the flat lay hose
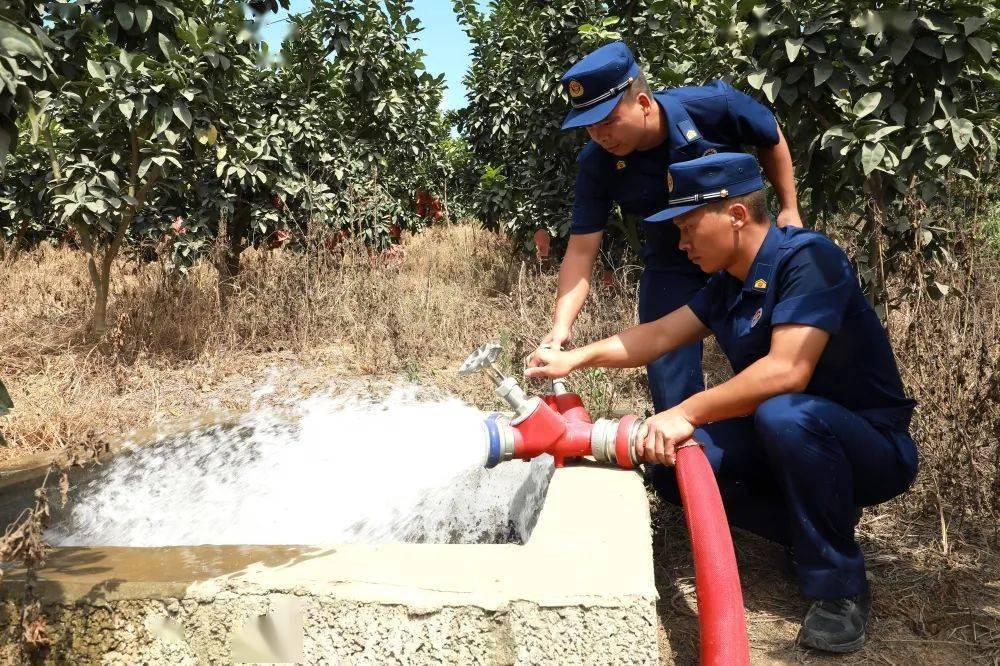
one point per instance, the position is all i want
(721, 620)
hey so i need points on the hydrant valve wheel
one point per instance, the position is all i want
(480, 359)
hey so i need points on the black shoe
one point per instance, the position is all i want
(836, 625)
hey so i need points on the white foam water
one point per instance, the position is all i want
(337, 470)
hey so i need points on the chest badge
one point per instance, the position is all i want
(756, 317)
(761, 283)
(575, 89)
(620, 164)
(670, 182)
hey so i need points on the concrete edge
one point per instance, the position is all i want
(591, 546)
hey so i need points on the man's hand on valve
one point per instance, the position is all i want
(557, 337)
(661, 434)
(548, 363)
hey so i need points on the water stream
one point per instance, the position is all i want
(336, 469)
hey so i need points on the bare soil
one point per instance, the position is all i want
(299, 322)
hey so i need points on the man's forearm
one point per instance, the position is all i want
(574, 277)
(574, 285)
(777, 163)
(643, 344)
(741, 395)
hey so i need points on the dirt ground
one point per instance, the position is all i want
(927, 609)
(937, 598)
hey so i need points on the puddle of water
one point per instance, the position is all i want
(337, 469)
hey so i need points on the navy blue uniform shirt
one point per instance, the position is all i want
(700, 120)
(801, 277)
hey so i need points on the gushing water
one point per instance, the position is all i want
(340, 469)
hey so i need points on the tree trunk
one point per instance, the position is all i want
(99, 322)
(100, 276)
(447, 216)
(876, 287)
(230, 241)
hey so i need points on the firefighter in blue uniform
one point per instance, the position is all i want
(635, 135)
(814, 423)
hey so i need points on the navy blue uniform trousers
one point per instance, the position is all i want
(797, 472)
(676, 375)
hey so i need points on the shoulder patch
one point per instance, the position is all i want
(688, 130)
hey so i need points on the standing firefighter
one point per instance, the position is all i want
(635, 136)
(814, 423)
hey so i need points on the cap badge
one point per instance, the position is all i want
(620, 164)
(670, 182)
(760, 284)
(756, 315)
(691, 135)
(575, 89)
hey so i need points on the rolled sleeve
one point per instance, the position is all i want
(752, 122)
(814, 288)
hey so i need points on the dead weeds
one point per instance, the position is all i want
(299, 319)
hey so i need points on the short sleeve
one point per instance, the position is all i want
(752, 122)
(814, 287)
(591, 203)
(706, 303)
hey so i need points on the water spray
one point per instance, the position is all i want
(558, 424)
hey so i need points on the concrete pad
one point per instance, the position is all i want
(580, 590)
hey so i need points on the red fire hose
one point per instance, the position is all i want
(721, 621)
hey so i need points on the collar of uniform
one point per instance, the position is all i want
(681, 130)
(759, 276)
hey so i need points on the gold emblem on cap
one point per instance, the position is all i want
(670, 182)
(761, 283)
(691, 134)
(575, 88)
(620, 164)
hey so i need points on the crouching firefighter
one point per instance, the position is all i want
(813, 425)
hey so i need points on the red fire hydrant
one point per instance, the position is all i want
(558, 424)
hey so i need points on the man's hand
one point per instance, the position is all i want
(789, 217)
(558, 336)
(547, 363)
(662, 434)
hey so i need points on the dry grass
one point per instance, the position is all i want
(299, 319)
(172, 351)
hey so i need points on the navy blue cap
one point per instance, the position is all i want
(596, 83)
(708, 179)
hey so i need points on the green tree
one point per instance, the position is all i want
(144, 73)
(525, 164)
(24, 66)
(883, 103)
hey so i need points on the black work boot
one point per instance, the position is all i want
(836, 625)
